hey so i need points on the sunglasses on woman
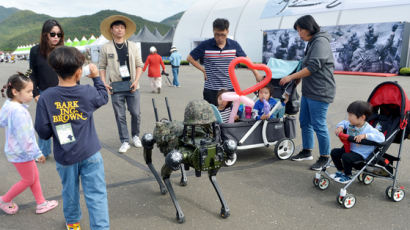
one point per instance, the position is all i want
(52, 34)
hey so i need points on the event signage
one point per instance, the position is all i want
(275, 8)
(375, 47)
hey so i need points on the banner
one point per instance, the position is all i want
(364, 47)
(275, 8)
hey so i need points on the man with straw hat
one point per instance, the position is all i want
(120, 65)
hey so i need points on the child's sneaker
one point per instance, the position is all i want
(344, 179)
(75, 226)
(336, 175)
(46, 206)
(9, 208)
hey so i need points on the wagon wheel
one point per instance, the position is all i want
(284, 149)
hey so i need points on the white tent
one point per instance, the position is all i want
(247, 26)
(95, 48)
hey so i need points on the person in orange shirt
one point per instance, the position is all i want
(154, 60)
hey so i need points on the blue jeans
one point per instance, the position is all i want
(91, 171)
(44, 145)
(133, 104)
(313, 118)
(175, 72)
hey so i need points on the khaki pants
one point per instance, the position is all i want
(156, 82)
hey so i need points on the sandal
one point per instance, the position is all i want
(46, 206)
(9, 208)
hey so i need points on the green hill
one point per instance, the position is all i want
(6, 12)
(173, 20)
(24, 27)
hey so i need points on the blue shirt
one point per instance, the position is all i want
(21, 145)
(216, 62)
(258, 109)
(66, 113)
(372, 134)
(175, 58)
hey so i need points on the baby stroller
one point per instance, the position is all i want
(278, 132)
(391, 110)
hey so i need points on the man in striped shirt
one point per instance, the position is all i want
(217, 53)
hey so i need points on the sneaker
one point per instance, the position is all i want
(46, 206)
(75, 226)
(136, 141)
(336, 175)
(320, 163)
(124, 147)
(344, 179)
(303, 155)
(9, 208)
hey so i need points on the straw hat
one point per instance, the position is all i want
(105, 26)
(173, 48)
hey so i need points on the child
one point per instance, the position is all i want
(258, 109)
(225, 107)
(21, 147)
(356, 126)
(66, 113)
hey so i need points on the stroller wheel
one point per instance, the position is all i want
(323, 183)
(339, 199)
(367, 179)
(389, 192)
(349, 201)
(398, 194)
(360, 177)
(230, 162)
(315, 182)
(284, 149)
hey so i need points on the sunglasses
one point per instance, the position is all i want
(52, 34)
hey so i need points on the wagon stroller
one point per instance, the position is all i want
(277, 132)
(391, 110)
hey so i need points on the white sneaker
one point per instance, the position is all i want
(136, 141)
(124, 147)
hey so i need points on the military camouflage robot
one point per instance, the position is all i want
(194, 143)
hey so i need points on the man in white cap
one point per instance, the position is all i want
(120, 65)
(175, 60)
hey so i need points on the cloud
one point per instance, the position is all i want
(154, 10)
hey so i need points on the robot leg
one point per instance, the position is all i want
(166, 173)
(225, 213)
(148, 143)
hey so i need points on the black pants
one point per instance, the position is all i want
(344, 161)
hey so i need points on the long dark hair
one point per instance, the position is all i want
(48, 25)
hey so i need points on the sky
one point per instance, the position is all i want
(154, 10)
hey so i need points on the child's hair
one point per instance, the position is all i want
(16, 81)
(66, 61)
(360, 108)
(269, 89)
(220, 92)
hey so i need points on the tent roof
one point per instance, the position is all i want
(145, 36)
(169, 36)
(158, 34)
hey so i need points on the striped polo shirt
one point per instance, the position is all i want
(216, 62)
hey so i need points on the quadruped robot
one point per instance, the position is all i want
(194, 143)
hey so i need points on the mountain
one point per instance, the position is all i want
(173, 20)
(24, 27)
(6, 12)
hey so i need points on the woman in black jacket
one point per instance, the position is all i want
(318, 89)
(43, 76)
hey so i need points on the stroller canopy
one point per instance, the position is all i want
(391, 93)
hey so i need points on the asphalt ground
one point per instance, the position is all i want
(262, 192)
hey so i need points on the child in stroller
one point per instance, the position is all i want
(263, 106)
(391, 110)
(356, 126)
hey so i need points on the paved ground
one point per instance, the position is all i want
(262, 192)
